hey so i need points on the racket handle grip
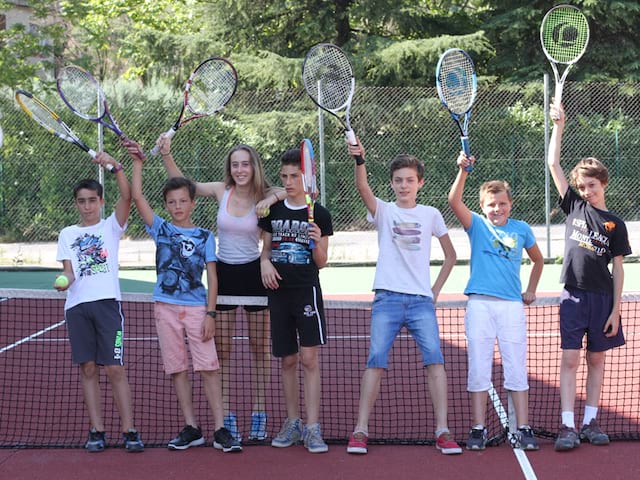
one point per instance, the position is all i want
(467, 151)
(168, 134)
(312, 244)
(351, 138)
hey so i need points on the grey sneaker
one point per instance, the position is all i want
(477, 439)
(313, 439)
(525, 438)
(291, 433)
(96, 441)
(189, 436)
(592, 434)
(567, 439)
(132, 441)
(223, 440)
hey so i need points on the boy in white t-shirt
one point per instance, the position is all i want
(404, 295)
(93, 314)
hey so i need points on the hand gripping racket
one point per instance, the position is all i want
(84, 96)
(52, 123)
(308, 166)
(457, 84)
(564, 34)
(328, 79)
(209, 88)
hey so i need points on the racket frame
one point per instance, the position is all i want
(186, 105)
(559, 80)
(65, 133)
(309, 183)
(462, 118)
(101, 99)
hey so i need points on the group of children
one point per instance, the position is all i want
(286, 271)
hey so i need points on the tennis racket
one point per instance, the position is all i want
(457, 84)
(564, 34)
(308, 166)
(209, 88)
(52, 123)
(84, 96)
(328, 79)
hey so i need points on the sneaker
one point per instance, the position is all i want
(592, 434)
(258, 426)
(223, 440)
(357, 443)
(313, 439)
(291, 433)
(132, 441)
(567, 439)
(189, 436)
(525, 439)
(96, 441)
(477, 439)
(231, 424)
(447, 445)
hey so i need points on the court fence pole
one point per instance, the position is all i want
(547, 193)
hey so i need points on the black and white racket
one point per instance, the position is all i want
(327, 75)
(564, 34)
(209, 88)
(84, 96)
(308, 167)
(50, 121)
(457, 85)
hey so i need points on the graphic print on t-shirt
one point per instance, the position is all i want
(406, 235)
(289, 242)
(91, 253)
(180, 265)
(588, 239)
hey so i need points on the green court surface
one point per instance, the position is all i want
(343, 280)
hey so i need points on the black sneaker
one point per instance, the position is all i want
(223, 440)
(96, 441)
(477, 438)
(526, 438)
(132, 441)
(188, 437)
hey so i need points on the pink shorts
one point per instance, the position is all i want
(173, 323)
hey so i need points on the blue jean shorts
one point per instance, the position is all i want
(390, 312)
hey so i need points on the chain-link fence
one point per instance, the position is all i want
(507, 134)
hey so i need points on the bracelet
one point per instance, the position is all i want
(117, 167)
(212, 313)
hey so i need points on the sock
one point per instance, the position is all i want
(589, 414)
(568, 420)
(440, 431)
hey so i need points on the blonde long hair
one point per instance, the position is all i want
(259, 182)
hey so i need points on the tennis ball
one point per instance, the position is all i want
(62, 281)
(265, 212)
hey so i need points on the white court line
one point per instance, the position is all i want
(31, 337)
(525, 466)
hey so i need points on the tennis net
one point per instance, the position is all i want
(41, 401)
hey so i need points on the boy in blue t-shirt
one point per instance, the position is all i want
(183, 307)
(495, 309)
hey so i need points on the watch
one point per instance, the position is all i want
(212, 313)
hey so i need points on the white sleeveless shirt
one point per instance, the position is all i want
(238, 237)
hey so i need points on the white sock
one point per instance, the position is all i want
(441, 431)
(589, 414)
(568, 419)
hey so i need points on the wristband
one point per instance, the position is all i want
(212, 313)
(359, 161)
(117, 167)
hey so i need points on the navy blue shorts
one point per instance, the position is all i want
(296, 313)
(583, 312)
(240, 280)
(96, 331)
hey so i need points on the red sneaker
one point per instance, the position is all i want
(447, 445)
(357, 443)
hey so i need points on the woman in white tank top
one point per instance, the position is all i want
(243, 192)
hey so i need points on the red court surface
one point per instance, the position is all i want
(620, 460)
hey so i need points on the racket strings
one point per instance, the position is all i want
(81, 92)
(42, 114)
(456, 81)
(328, 77)
(565, 34)
(212, 86)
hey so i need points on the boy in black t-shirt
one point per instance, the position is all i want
(289, 269)
(590, 300)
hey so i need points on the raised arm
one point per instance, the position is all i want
(555, 143)
(529, 295)
(362, 184)
(144, 209)
(208, 189)
(459, 208)
(123, 205)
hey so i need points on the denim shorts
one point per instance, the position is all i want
(390, 312)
